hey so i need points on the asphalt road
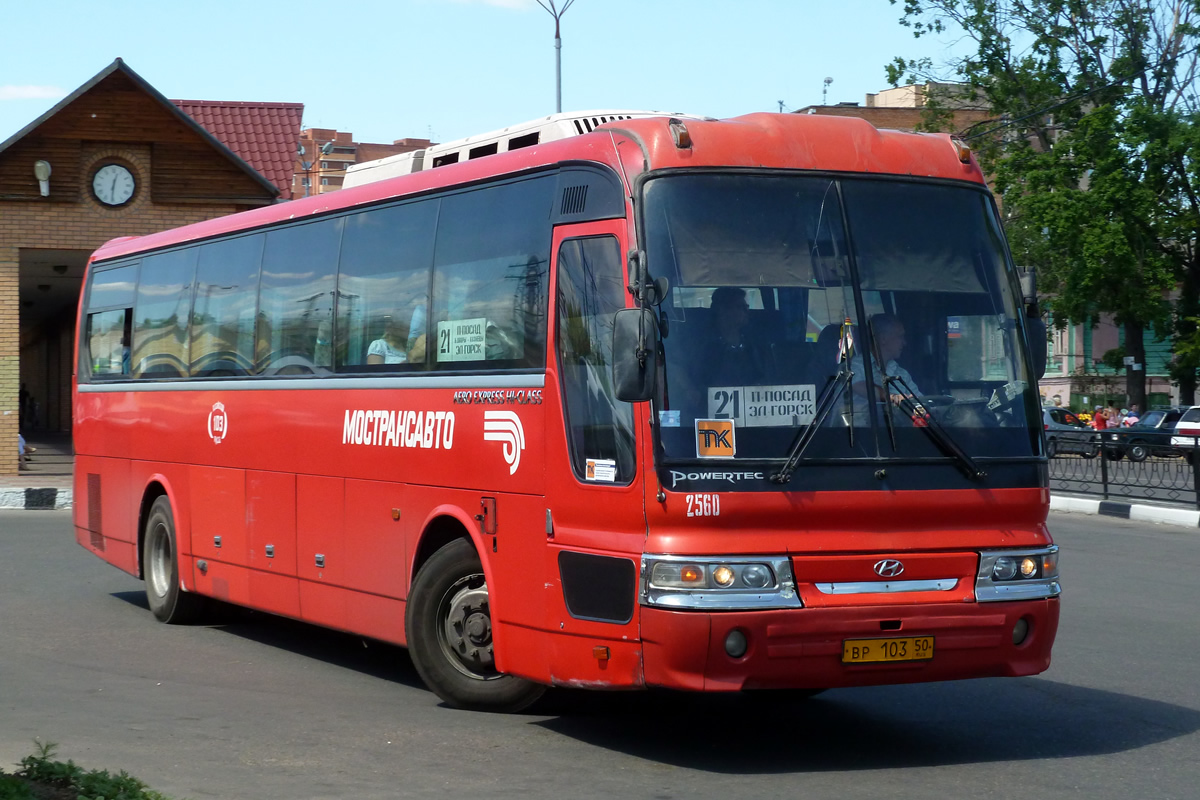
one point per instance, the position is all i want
(258, 707)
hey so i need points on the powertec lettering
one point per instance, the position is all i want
(731, 477)
(430, 430)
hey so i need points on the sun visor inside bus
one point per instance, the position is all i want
(727, 256)
(930, 269)
(587, 193)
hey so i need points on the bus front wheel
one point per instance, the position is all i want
(449, 626)
(160, 567)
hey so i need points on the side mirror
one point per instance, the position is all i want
(635, 345)
(1035, 329)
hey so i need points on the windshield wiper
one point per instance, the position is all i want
(825, 403)
(922, 419)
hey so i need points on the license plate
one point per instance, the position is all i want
(870, 651)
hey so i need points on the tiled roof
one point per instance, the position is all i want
(264, 135)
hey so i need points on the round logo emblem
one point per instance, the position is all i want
(218, 423)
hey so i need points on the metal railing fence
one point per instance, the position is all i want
(1128, 467)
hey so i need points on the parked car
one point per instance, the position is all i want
(1187, 432)
(1065, 433)
(1151, 435)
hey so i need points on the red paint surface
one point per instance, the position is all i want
(284, 476)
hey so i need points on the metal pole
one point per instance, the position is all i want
(557, 69)
(557, 13)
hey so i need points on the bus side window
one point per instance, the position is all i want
(110, 297)
(491, 276)
(108, 348)
(295, 302)
(591, 290)
(164, 299)
(222, 332)
(383, 283)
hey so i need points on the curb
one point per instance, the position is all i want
(1182, 517)
(36, 499)
(60, 499)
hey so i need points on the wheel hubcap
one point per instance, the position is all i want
(466, 629)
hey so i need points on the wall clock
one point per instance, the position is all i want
(113, 185)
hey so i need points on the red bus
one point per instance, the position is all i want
(707, 405)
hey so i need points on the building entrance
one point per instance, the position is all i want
(48, 285)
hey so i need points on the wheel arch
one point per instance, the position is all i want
(157, 486)
(444, 525)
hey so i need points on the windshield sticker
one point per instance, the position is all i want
(461, 339)
(780, 406)
(669, 419)
(602, 469)
(714, 438)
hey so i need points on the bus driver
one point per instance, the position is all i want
(888, 335)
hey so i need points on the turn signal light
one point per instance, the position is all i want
(962, 150)
(679, 132)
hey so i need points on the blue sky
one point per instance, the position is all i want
(444, 69)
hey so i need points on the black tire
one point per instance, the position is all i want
(1138, 451)
(160, 567)
(1113, 455)
(1051, 448)
(449, 627)
(1091, 452)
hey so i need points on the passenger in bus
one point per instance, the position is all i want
(389, 348)
(888, 336)
(733, 357)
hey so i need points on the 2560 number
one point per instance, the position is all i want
(703, 505)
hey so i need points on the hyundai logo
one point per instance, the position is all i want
(888, 568)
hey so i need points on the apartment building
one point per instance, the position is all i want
(324, 154)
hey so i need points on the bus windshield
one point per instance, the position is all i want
(869, 309)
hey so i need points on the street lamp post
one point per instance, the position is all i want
(557, 13)
(326, 149)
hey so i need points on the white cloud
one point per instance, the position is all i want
(31, 93)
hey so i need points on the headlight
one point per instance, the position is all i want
(1005, 569)
(720, 582)
(1017, 575)
(757, 576)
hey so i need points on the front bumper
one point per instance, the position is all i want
(802, 648)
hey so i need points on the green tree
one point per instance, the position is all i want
(1092, 150)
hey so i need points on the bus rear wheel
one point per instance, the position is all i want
(449, 626)
(160, 566)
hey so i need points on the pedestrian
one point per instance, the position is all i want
(1132, 417)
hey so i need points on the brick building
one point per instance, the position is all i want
(114, 158)
(325, 154)
(904, 107)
